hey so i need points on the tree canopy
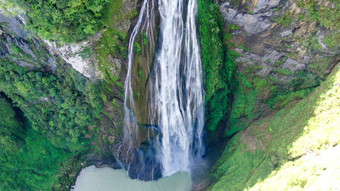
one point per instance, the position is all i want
(65, 20)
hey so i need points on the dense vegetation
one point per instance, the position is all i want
(55, 111)
(55, 104)
(218, 66)
(28, 160)
(66, 20)
(251, 90)
(44, 148)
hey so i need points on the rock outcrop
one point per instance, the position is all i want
(76, 55)
(286, 51)
(281, 45)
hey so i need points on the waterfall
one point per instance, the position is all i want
(145, 22)
(175, 90)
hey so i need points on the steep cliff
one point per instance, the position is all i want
(70, 94)
(271, 87)
(286, 50)
(294, 148)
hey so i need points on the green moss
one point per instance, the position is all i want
(260, 83)
(284, 71)
(84, 53)
(321, 65)
(332, 40)
(233, 176)
(111, 44)
(218, 65)
(248, 94)
(140, 73)
(15, 49)
(280, 101)
(319, 15)
(272, 154)
(286, 19)
(311, 43)
(324, 13)
(299, 87)
(145, 38)
(138, 48)
(243, 106)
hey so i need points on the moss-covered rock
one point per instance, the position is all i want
(283, 53)
(279, 152)
(218, 66)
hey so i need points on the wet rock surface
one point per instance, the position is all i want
(118, 152)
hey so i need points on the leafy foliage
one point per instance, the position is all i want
(56, 111)
(66, 20)
(54, 104)
(218, 65)
(28, 160)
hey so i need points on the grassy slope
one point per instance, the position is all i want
(255, 95)
(281, 152)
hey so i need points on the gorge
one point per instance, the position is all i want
(169, 94)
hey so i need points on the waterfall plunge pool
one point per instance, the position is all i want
(108, 179)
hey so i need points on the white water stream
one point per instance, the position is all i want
(177, 87)
(176, 92)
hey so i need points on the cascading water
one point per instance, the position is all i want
(130, 121)
(177, 87)
(128, 154)
(175, 93)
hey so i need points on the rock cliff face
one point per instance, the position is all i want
(16, 36)
(283, 49)
(77, 57)
(20, 47)
(286, 50)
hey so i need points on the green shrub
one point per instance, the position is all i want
(218, 65)
(65, 20)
